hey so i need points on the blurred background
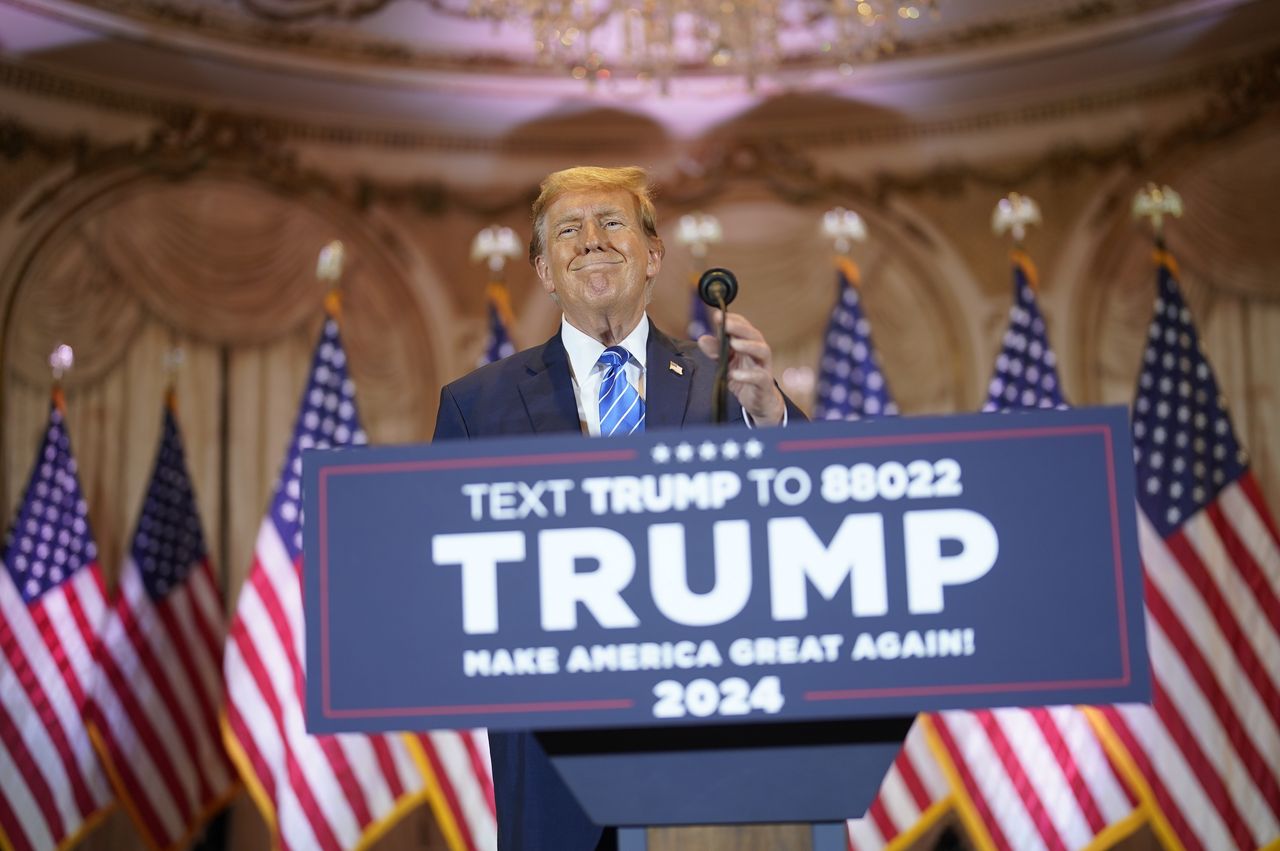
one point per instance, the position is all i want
(170, 169)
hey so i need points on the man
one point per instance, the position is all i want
(596, 250)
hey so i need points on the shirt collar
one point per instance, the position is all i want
(584, 350)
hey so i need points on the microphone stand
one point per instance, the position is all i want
(720, 387)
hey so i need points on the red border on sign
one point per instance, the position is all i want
(790, 445)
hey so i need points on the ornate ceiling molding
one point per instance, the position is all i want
(1250, 78)
(186, 142)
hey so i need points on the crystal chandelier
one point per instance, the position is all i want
(653, 40)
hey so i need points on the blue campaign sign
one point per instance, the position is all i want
(718, 575)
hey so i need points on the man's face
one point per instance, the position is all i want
(598, 262)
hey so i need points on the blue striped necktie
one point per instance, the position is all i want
(621, 408)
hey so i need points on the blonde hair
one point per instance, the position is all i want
(631, 179)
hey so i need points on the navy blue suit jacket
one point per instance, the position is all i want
(531, 392)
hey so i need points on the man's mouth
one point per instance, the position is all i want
(592, 263)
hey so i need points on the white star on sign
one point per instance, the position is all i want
(661, 453)
(753, 448)
(729, 450)
(684, 452)
(707, 451)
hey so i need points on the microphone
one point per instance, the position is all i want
(717, 287)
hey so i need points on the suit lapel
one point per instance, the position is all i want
(667, 389)
(547, 389)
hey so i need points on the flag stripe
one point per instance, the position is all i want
(1166, 771)
(291, 812)
(1211, 620)
(1198, 620)
(919, 757)
(943, 725)
(204, 682)
(864, 836)
(1064, 822)
(308, 772)
(33, 771)
(276, 626)
(455, 811)
(1257, 525)
(1074, 787)
(145, 790)
(1024, 784)
(281, 585)
(1202, 684)
(148, 739)
(1247, 588)
(180, 670)
(26, 652)
(1188, 745)
(472, 795)
(480, 770)
(1082, 753)
(209, 621)
(26, 831)
(911, 780)
(897, 801)
(878, 815)
(51, 630)
(83, 599)
(269, 730)
(150, 702)
(387, 766)
(352, 761)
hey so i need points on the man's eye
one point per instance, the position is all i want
(613, 223)
(569, 230)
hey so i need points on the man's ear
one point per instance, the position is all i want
(544, 274)
(654, 259)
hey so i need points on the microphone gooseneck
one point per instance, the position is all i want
(718, 287)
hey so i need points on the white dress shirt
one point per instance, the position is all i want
(584, 365)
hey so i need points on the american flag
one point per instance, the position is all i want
(52, 604)
(456, 763)
(459, 780)
(1026, 373)
(498, 344)
(1206, 754)
(1034, 778)
(153, 709)
(315, 792)
(850, 383)
(915, 793)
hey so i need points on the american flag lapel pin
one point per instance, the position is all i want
(676, 368)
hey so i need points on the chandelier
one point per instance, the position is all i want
(653, 40)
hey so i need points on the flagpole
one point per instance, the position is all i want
(61, 360)
(494, 246)
(1156, 203)
(329, 270)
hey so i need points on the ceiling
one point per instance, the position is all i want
(414, 64)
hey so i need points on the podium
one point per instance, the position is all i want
(722, 626)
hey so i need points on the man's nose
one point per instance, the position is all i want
(592, 236)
